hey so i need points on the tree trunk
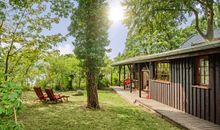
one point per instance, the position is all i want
(7, 61)
(92, 95)
(79, 82)
(210, 21)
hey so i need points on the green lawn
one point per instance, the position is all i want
(115, 114)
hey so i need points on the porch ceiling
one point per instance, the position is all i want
(206, 48)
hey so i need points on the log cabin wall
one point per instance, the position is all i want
(181, 94)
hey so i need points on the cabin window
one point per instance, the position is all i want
(202, 71)
(162, 71)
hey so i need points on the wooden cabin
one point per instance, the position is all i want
(187, 79)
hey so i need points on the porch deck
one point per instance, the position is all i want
(178, 117)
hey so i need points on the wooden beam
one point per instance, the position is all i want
(151, 71)
(208, 49)
(131, 78)
(139, 79)
(129, 67)
(119, 76)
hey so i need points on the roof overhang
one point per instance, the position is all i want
(202, 49)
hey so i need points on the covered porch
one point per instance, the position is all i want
(135, 78)
(178, 117)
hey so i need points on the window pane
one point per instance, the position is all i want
(206, 71)
(206, 63)
(202, 71)
(201, 62)
(202, 79)
(206, 80)
(162, 71)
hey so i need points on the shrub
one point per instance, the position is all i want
(103, 83)
(10, 104)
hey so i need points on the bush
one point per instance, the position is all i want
(58, 87)
(26, 88)
(10, 102)
(103, 83)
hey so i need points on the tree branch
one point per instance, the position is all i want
(16, 63)
(169, 9)
(201, 2)
(1, 25)
(17, 51)
(11, 45)
(197, 22)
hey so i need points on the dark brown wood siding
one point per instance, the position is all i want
(181, 94)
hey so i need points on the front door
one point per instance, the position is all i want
(145, 81)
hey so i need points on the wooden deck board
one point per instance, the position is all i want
(179, 117)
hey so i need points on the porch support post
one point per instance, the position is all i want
(131, 78)
(139, 79)
(151, 73)
(124, 77)
(119, 75)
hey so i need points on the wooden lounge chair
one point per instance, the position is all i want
(41, 96)
(55, 98)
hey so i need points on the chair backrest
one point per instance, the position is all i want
(50, 94)
(39, 93)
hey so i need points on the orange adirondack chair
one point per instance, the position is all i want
(55, 98)
(41, 96)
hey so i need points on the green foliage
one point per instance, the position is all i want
(103, 82)
(10, 125)
(61, 8)
(217, 16)
(61, 72)
(151, 30)
(10, 100)
(115, 75)
(21, 33)
(89, 26)
(157, 26)
(23, 46)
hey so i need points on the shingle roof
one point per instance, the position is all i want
(197, 39)
(180, 53)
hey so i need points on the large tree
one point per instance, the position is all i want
(22, 39)
(151, 31)
(173, 12)
(89, 27)
(160, 25)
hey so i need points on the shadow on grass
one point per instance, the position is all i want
(114, 114)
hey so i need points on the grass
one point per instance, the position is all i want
(115, 114)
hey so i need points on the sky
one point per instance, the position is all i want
(117, 33)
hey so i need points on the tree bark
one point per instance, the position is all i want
(209, 13)
(210, 21)
(92, 95)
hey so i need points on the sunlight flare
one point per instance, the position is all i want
(116, 13)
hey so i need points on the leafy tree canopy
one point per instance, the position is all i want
(156, 26)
